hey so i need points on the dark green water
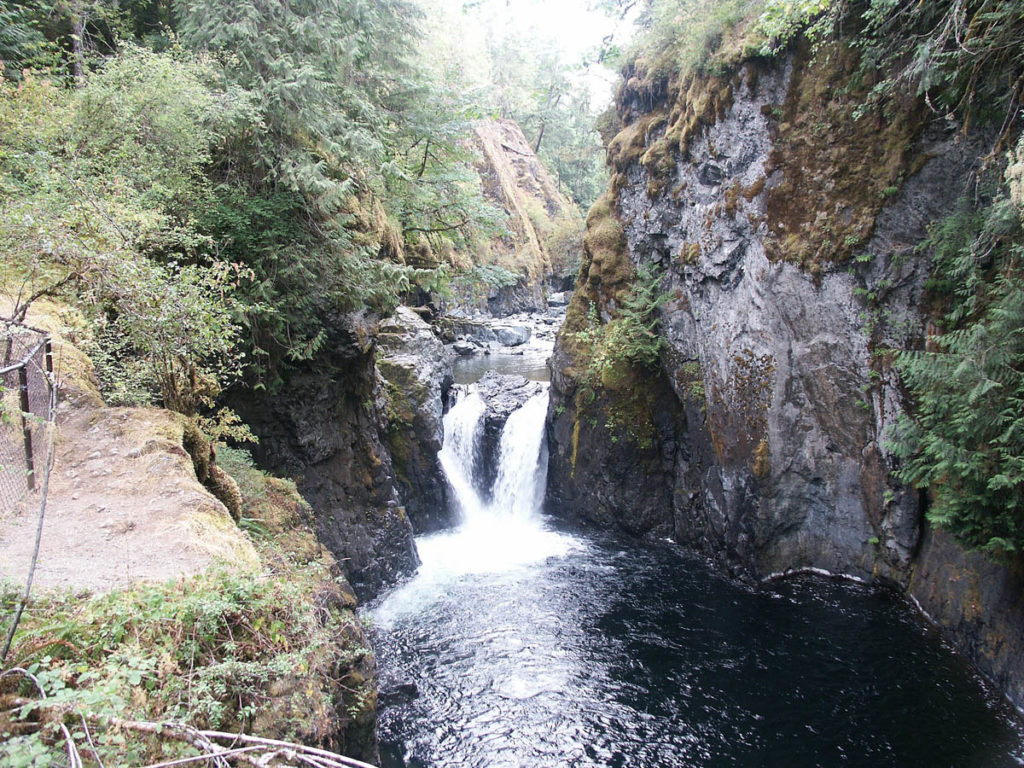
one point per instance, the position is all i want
(619, 654)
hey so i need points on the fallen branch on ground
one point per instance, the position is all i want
(216, 748)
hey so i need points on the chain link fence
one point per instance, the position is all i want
(26, 405)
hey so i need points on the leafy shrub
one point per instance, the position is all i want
(91, 181)
(205, 652)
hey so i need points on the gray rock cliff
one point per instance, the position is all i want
(760, 436)
(417, 372)
(324, 428)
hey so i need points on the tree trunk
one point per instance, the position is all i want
(540, 136)
(78, 47)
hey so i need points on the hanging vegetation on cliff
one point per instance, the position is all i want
(965, 439)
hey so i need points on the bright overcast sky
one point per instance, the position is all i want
(570, 24)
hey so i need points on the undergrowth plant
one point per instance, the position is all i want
(275, 652)
(632, 336)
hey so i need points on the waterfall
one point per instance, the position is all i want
(523, 464)
(522, 460)
(504, 534)
(463, 425)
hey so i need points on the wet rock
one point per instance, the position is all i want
(465, 348)
(402, 693)
(512, 335)
(977, 603)
(559, 299)
(502, 395)
(505, 393)
(417, 371)
(476, 329)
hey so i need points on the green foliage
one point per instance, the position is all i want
(965, 438)
(95, 185)
(782, 20)
(21, 41)
(680, 36)
(630, 338)
(480, 280)
(573, 148)
(205, 652)
(964, 57)
(153, 121)
(355, 145)
(298, 58)
(564, 241)
(433, 190)
(693, 379)
(288, 177)
(492, 276)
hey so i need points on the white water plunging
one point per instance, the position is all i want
(503, 535)
(523, 464)
(463, 425)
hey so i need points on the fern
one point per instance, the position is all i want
(965, 438)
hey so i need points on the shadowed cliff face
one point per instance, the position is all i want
(784, 233)
(324, 428)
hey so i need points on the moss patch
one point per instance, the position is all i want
(837, 168)
(605, 253)
(738, 411)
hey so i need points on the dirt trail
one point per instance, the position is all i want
(124, 505)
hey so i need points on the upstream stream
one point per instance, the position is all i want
(520, 644)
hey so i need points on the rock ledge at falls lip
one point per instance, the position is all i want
(504, 393)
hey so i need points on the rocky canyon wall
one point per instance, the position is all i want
(324, 427)
(782, 228)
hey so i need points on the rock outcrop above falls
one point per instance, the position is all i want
(324, 428)
(502, 394)
(417, 373)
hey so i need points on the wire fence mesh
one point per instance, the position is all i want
(26, 388)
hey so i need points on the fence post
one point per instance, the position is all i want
(26, 428)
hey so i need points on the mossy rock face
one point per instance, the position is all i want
(607, 446)
(696, 176)
(203, 454)
(837, 167)
(606, 270)
(224, 487)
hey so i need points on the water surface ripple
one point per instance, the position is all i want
(614, 653)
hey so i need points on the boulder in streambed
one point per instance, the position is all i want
(559, 299)
(512, 335)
